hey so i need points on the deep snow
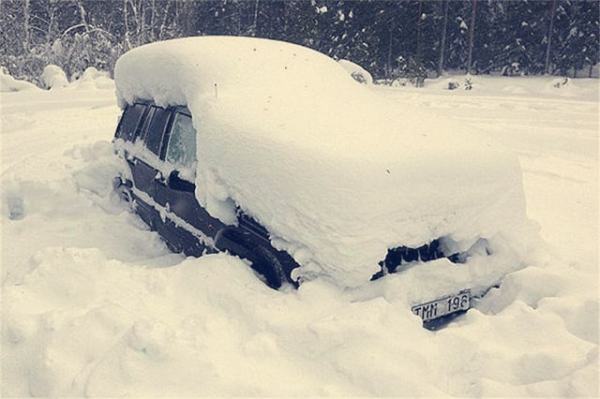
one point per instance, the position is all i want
(94, 304)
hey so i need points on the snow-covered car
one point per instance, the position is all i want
(271, 151)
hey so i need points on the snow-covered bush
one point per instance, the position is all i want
(91, 73)
(73, 52)
(53, 77)
(82, 50)
(453, 84)
(560, 82)
(8, 83)
(92, 78)
(514, 69)
(359, 74)
(468, 84)
(400, 82)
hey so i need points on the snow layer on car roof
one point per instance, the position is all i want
(335, 172)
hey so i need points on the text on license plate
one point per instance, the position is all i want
(443, 306)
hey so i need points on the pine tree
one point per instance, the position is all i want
(471, 35)
(458, 29)
(576, 35)
(442, 44)
(549, 34)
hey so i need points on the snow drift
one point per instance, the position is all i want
(334, 171)
(8, 83)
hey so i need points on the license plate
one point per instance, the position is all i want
(443, 306)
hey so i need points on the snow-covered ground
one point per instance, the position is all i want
(94, 304)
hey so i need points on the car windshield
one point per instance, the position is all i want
(181, 150)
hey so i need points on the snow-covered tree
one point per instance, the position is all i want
(390, 38)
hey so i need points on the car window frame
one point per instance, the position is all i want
(144, 129)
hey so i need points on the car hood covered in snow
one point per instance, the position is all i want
(334, 172)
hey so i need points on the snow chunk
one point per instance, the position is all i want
(359, 74)
(336, 181)
(54, 77)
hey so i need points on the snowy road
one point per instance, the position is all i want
(94, 304)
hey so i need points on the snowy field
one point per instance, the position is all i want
(93, 304)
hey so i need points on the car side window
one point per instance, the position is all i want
(181, 149)
(130, 121)
(156, 129)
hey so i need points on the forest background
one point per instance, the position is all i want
(391, 39)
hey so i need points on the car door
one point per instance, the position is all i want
(149, 179)
(142, 171)
(177, 191)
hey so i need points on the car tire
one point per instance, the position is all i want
(267, 265)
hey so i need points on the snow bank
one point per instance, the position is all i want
(357, 72)
(54, 77)
(335, 172)
(8, 83)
